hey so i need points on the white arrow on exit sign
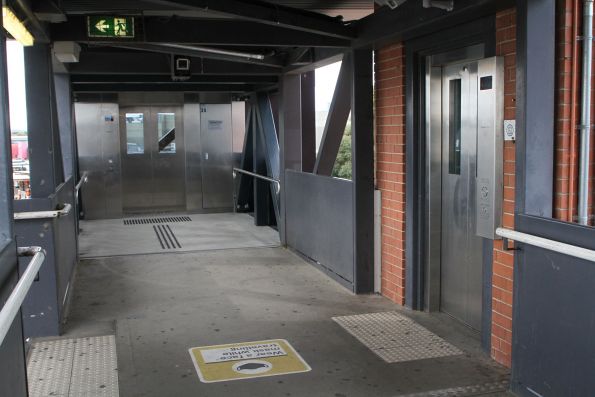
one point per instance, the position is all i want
(102, 26)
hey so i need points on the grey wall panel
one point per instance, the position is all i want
(320, 222)
(193, 157)
(65, 239)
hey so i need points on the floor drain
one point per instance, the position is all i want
(167, 238)
(152, 221)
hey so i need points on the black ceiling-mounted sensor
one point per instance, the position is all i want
(180, 68)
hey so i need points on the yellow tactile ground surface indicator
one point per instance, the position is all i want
(247, 360)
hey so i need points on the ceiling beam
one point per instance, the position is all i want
(268, 61)
(114, 61)
(411, 20)
(170, 87)
(201, 32)
(269, 14)
(166, 79)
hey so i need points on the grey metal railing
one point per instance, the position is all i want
(43, 214)
(15, 300)
(258, 176)
(551, 245)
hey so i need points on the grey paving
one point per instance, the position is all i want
(161, 305)
(204, 232)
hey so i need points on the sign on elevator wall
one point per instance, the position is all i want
(248, 360)
(110, 26)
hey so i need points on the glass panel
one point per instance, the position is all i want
(135, 133)
(19, 141)
(454, 123)
(166, 132)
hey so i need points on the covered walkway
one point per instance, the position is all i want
(159, 306)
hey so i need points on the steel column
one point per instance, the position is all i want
(42, 122)
(262, 195)
(308, 121)
(243, 194)
(362, 123)
(6, 182)
(336, 121)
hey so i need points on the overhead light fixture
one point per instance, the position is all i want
(15, 27)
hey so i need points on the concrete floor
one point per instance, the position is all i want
(159, 306)
(112, 237)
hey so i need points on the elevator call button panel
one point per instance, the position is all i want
(490, 122)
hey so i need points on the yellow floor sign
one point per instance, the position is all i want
(246, 360)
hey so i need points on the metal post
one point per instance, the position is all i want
(6, 183)
(583, 197)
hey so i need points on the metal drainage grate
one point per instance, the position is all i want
(151, 221)
(396, 338)
(167, 238)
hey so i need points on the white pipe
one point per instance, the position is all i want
(585, 151)
(551, 245)
(43, 214)
(230, 53)
(15, 300)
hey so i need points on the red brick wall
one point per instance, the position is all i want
(504, 260)
(390, 166)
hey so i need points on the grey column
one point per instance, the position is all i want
(65, 124)
(308, 143)
(45, 157)
(362, 122)
(6, 192)
(290, 136)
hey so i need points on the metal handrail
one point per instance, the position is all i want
(84, 179)
(551, 245)
(258, 176)
(43, 214)
(20, 291)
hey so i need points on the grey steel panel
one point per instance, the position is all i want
(216, 142)
(169, 176)
(99, 156)
(319, 222)
(64, 108)
(193, 156)
(461, 249)
(13, 380)
(490, 111)
(150, 98)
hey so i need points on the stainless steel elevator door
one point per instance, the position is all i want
(217, 161)
(461, 249)
(153, 164)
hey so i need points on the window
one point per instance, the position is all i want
(135, 133)
(166, 132)
(454, 127)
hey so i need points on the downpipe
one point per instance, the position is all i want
(585, 150)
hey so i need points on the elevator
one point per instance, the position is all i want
(464, 178)
(159, 153)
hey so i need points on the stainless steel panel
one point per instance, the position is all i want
(99, 156)
(193, 157)
(137, 173)
(461, 249)
(490, 145)
(433, 196)
(217, 171)
(169, 175)
(238, 121)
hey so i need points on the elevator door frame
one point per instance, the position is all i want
(433, 167)
(153, 161)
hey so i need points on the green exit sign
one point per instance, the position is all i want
(110, 26)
